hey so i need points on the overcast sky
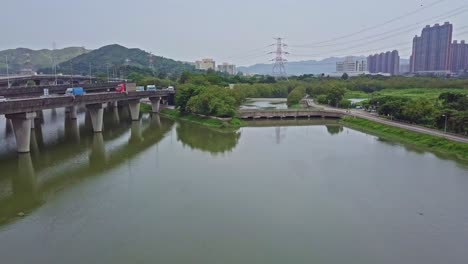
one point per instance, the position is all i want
(235, 31)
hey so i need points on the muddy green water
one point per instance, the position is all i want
(159, 191)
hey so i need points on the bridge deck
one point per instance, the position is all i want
(289, 113)
(13, 106)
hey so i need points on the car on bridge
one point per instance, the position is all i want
(75, 91)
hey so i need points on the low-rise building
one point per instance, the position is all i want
(227, 68)
(351, 65)
(205, 64)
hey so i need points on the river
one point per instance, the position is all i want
(159, 191)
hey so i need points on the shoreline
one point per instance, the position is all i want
(430, 143)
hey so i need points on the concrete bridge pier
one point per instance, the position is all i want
(22, 128)
(70, 112)
(134, 106)
(96, 113)
(155, 103)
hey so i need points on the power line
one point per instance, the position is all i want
(379, 25)
(407, 28)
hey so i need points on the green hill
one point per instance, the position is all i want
(120, 61)
(17, 58)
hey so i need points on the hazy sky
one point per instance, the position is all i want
(235, 31)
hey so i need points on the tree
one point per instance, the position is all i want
(184, 77)
(345, 76)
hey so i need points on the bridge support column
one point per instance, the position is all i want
(22, 128)
(134, 106)
(70, 112)
(155, 103)
(96, 113)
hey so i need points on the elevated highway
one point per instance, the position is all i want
(22, 111)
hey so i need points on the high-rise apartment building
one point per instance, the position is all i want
(227, 68)
(350, 65)
(459, 56)
(388, 62)
(431, 51)
(205, 64)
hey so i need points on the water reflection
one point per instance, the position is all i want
(334, 129)
(207, 139)
(30, 177)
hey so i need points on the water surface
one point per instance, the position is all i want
(158, 191)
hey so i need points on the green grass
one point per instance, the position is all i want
(429, 93)
(426, 142)
(234, 123)
(295, 106)
(356, 95)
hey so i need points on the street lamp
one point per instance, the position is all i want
(7, 71)
(445, 127)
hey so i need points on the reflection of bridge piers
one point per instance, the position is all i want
(135, 132)
(72, 130)
(97, 156)
(155, 120)
(25, 182)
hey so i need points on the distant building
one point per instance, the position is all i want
(458, 57)
(350, 65)
(388, 62)
(227, 68)
(205, 64)
(431, 51)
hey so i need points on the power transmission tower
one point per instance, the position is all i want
(151, 62)
(279, 69)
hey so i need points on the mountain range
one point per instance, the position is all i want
(120, 60)
(327, 65)
(22, 58)
(115, 58)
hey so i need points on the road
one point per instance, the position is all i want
(373, 117)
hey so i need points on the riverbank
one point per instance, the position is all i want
(173, 114)
(428, 142)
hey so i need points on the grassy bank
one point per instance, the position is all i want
(429, 93)
(426, 142)
(204, 121)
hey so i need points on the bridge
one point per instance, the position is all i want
(289, 113)
(22, 111)
(44, 79)
(17, 92)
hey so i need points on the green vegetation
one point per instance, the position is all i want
(122, 61)
(395, 97)
(436, 144)
(234, 123)
(207, 139)
(17, 58)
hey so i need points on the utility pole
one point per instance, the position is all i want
(71, 72)
(7, 71)
(151, 62)
(107, 66)
(90, 81)
(279, 69)
(54, 62)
